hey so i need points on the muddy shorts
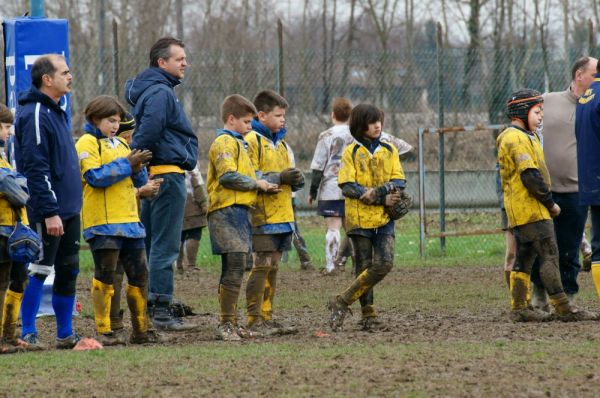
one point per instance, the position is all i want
(230, 230)
(192, 233)
(100, 242)
(272, 242)
(4, 249)
(535, 231)
(330, 208)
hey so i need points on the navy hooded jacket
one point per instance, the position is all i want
(587, 131)
(162, 126)
(45, 154)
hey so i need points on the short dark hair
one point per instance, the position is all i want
(267, 100)
(361, 116)
(43, 66)
(162, 49)
(238, 106)
(581, 63)
(341, 109)
(103, 106)
(6, 115)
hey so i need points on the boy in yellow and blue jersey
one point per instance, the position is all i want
(232, 189)
(110, 172)
(273, 215)
(530, 209)
(370, 177)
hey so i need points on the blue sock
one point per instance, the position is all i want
(31, 304)
(63, 309)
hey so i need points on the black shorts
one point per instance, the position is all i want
(4, 258)
(192, 233)
(272, 243)
(109, 242)
(331, 208)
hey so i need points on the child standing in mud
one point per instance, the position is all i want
(232, 190)
(371, 178)
(110, 172)
(530, 209)
(273, 216)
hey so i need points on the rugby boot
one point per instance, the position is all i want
(68, 342)
(338, 309)
(163, 319)
(260, 328)
(566, 312)
(227, 331)
(101, 297)
(110, 339)
(281, 328)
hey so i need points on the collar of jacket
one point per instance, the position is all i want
(370, 145)
(166, 76)
(35, 95)
(92, 130)
(529, 133)
(233, 134)
(265, 132)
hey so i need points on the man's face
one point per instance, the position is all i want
(274, 120)
(174, 65)
(587, 73)
(60, 81)
(4, 131)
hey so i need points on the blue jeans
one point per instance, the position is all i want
(568, 227)
(162, 217)
(595, 210)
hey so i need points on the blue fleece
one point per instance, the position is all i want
(31, 304)
(63, 309)
(45, 154)
(162, 126)
(266, 132)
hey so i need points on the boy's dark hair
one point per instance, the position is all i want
(341, 109)
(126, 124)
(361, 116)
(581, 63)
(103, 106)
(267, 100)
(238, 106)
(6, 115)
(43, 66)
(162, 49)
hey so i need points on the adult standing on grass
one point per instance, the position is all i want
(164, 129)
(45, 154)
(560, 151)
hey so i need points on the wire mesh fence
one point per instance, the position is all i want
(411, 86)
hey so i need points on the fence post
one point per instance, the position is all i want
(116, 80)
(421, 193)
(280, 57)
(440, 72)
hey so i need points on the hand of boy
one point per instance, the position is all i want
(554, 211)
(267, 187)
(137, 158)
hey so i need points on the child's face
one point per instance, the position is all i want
(241, 125)
(374, 130)
(109, 125)
(535, 116)
(4, 131)
(274, 120)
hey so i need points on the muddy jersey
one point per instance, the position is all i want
(517, 152)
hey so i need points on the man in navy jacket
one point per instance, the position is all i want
(45, 154)
(587, 131)
(163, 128)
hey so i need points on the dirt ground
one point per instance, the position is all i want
(444, 332)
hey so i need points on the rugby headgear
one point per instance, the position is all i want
(521, 102)
(127, 124)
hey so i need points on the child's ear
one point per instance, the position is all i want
(261, 115)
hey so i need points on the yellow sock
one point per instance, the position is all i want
(101, 296)
(12, 305)
(596, 276)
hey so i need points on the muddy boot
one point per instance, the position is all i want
(369, 318)
(260, 328)
(191, 253)
(110, 339)
(281, 328)
(227, 331)
(568, 313)
(255, 291)
(338, 309)
(101, 297)
(136, 300)
(307, 266)
(520, 309)
(539, 299)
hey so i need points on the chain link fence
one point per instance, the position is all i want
(414, 88)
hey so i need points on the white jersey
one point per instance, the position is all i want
(328, 157)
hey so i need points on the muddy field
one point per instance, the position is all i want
(444, 332)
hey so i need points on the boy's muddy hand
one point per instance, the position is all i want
(150, 190)
(137, 159)
(369, 197)
(267, 187)
(554, 211)
(392, 198)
